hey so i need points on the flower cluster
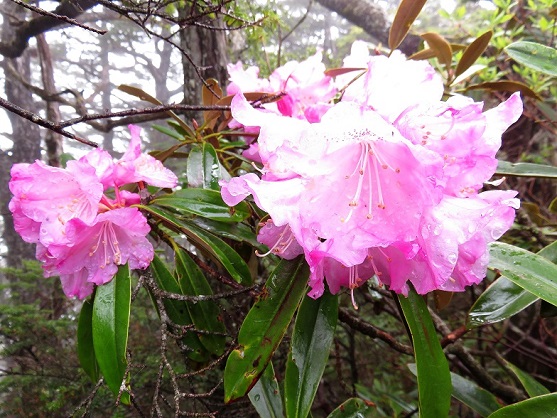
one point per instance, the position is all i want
(83, 234)
(384, 182)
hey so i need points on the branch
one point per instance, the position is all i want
(43, 122)
(63, 14)
(369, 330)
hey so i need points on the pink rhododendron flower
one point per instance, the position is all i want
(384, 183)
(82, 234)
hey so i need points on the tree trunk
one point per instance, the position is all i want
(53, 141)
(26, 141)
(207, 53)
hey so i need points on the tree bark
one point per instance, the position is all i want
(25, 30)
(26, 142)
(207, 51)
(53, 140)
(371, 18)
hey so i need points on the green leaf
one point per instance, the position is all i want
(238, 232)
(473, 52)
(470, 394)
(264, 327)
(500, 301)
(434, 380)
(177, 310)
(265, 395)
(544, 406)
(504, 298)
(169, 132)
(85, 349)
(111, 321)
(532, 386)
(203, 202)
(311, 343)
(203, 167)
(535, 56)
(530, 271)
(353, 408)
(217, 249)
(205, 314)
(526, 170)
(406, 13)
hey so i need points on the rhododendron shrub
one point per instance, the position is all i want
(84, 225)
(385, 183)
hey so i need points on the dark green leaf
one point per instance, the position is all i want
(311, 342)
(265, 395)
(238, 232)
(85, 349)
(203, 202)
(434, 380)
(353, 408)
(407, 12)
(203, 167)
(532, 386)
(111, 321)
(540, 407)
(535, 56)
(530, 271)
(470, 394)
(473, 52)
(216, 248)
(177, 310)
(500, 301)
(205, 314)
(526, 170)
(167, 131)
(504, 298)
(264, 327)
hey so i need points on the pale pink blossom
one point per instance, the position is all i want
(45, 198)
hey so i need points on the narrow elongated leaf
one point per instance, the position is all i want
(526, 170)
(535, 56)
(211, 93)
(531, 385)
(111, 321)
(544, 406)
(264, 327)
(177, 310)
(203, 167)
(354, 408)
(473, 52)
(237, 232)
(216, 248)
(506, 85)
(470, 394)
(407, 12)
(504, 298)
(265, 395)
(500, 301)
(203, 202)
(205, 314)
(441, 47)
(530, 271)
(434, 380)
(311, 343)
(143, 95)
(85, 349)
